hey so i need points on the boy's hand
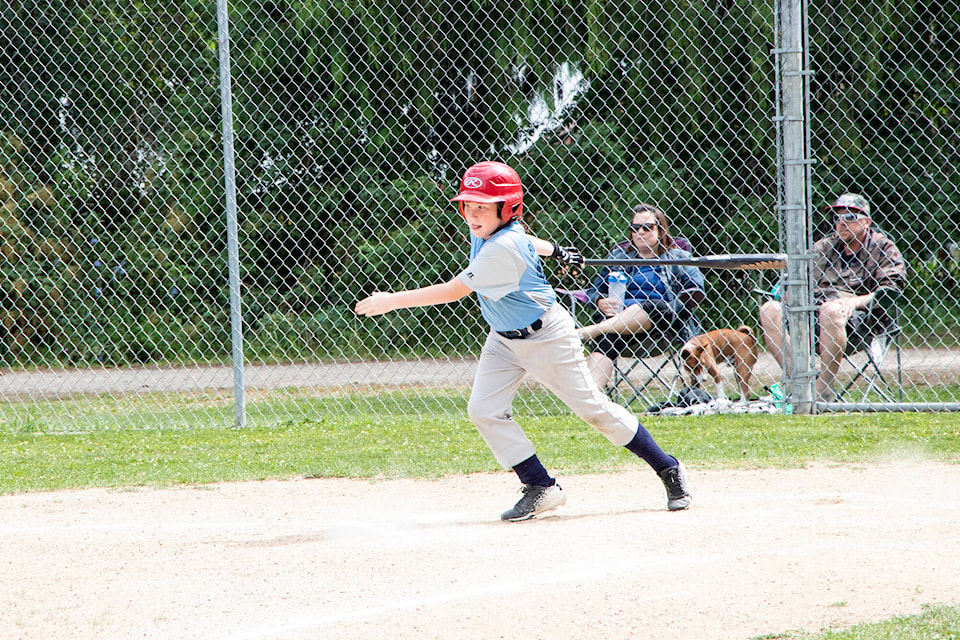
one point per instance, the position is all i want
(567, 255)
(375, 304)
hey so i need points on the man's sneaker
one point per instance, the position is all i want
(678, 491)
(535, 500)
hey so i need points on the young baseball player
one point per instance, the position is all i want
(530, 335)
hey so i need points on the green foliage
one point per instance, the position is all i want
(929, 310)
(886, 115)
(353, 122)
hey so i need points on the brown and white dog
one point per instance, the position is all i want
(737, 347)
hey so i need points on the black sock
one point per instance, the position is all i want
(531, 471)
(644, 446)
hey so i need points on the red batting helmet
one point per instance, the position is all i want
(492, 182)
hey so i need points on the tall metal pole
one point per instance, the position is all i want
(230, 190)
(793, 200)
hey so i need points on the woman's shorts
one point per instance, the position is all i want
(666, 324)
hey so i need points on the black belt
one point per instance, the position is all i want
(517, 334)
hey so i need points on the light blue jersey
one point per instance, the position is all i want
(508, 277)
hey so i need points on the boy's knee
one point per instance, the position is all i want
(474, 411)
(482, 413)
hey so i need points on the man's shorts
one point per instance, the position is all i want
(862, 325)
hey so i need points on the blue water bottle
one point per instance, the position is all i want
(617, 287)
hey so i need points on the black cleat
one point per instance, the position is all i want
(535, 500)
(678, 492)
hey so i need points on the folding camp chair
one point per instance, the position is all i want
(651, 363)
(869, 346)
(649, 366)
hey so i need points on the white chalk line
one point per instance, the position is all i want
(595, 573)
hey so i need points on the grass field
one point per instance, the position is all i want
(936, 623)
(406, 434)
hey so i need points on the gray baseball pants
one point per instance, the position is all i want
(554, 357)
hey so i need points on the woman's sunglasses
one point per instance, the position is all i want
(642, 226)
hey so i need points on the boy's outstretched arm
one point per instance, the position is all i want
(381, 302)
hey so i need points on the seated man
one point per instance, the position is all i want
(849, 267)
(656, 300)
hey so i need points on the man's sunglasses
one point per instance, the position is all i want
(848, 217)
(642, 226)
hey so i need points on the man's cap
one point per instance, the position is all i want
(852, 201)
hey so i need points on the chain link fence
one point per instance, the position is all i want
(353, 122)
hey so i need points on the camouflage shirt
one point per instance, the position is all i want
(877, 264)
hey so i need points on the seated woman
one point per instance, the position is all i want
(658, 299)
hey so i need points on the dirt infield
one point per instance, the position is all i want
(760, 552)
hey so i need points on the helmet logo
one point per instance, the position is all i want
(472, 182)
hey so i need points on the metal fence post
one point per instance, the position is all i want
(230, 193)
(793, 202)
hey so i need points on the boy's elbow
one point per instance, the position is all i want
(455, 290)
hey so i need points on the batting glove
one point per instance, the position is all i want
(567, 255)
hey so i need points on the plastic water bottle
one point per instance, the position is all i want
(617, 287)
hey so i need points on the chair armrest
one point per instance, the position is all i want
(577, 294)
(885, 309)
(772, 294)
(886, 298)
